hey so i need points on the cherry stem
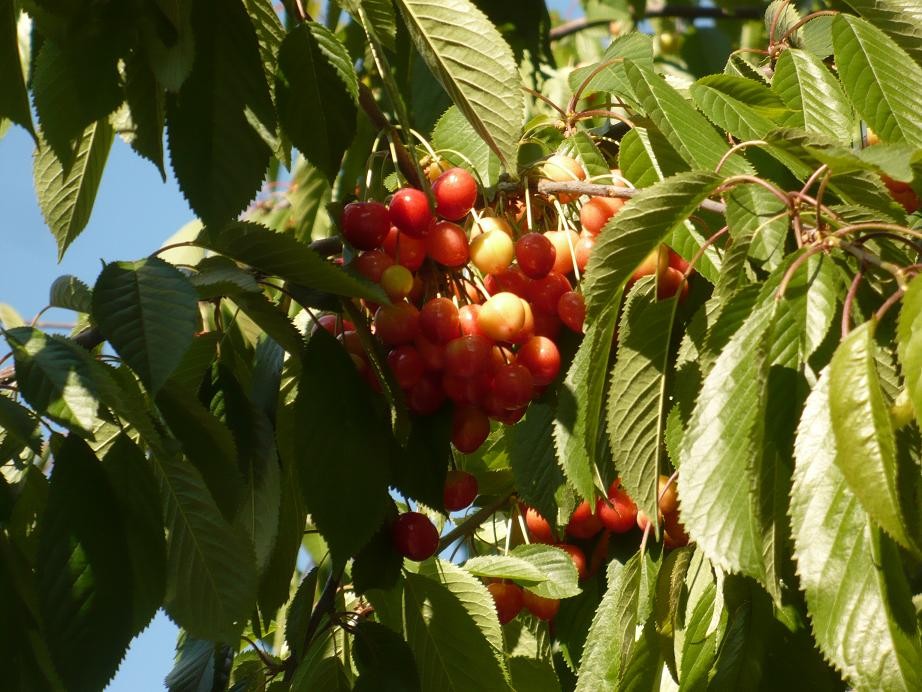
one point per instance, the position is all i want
(889, 303)
(849, 299)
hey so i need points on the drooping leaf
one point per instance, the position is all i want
(14, 99)
(83, 572)
(66, 199)
(475, 66)
(883, 83)
(217, 151)
(856, 593)
(865, 445)
(70, 293)
(384, 660)
(333, 397)
(909, 342)
(19, 426)
(637, 403)
(148, 311)
(280, 254)
(808, 87)
(451, 651)
(193, 667)
(53, 378)
(269, 32)
(534, 464)
(147, 106)
(316, 110)
(272, 320)
(533, 674)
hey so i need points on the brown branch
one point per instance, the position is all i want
(576, 25)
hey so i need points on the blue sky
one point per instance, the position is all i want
(135, 212)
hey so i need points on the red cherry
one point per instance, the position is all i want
(407, 366)
(426, 396)
(542, 608)
(352, 343)
(595, 213)
(433, 354)
(564, 244)
(618, 513)
(539, 530)
(334, 324)
(502, 317)
(583, 523)
(508, 599)
(365, 224)
(571, 308)
(547, 324)
(670, 282)
(674, 534)
(535, 254)
(447, 244)
(470, 426)
(544, 294)
(584, 250)
(512, 385)
(578, 557)
(460, 490)
(467, 316)
(455, 192)
(467, 355)
(396, 324)
(414, 536)
(410, 212)
(510, 280)
(676, 261)
(404, 249)
(439, 321)
(540, 355)
(371, 264)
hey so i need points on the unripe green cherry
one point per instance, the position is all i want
(397, 281)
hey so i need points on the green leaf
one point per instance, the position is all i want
(14, 99)
(74, 86)
(807, 86)
(53, 378)
(269, 33)
(82, 570)
(469, 57)
(135, 489)
(193, 667)
(857, 596)
(865, 445)
(172, 53)
(279, 254)
(900, 19)
(909, 343)
(271, 320)
(384, 660)
(883, 83)
(66, 199)
(445, 610)
(308, 195)
(637, 403)
(633, 46)
(9, 318)
(70, 293)
(218, 276)
(556, 566)
(453, 133)
(20, 425)
(381, 19)
(740, 106)
(530, 445)
(532, 674)
(505, 567)
(315, 109)
(332, 396)
(148, 311)
(217, 153)
(581, 147)
(147, 106)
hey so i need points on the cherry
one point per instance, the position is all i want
(397, 282)
(460, 490)
(542, 608)
(333, 324)
(414, 536)
(467, 355)
(618, 513)
(676, 261)
(599, 555)
(535, 254)
(502, 317)
(674, 535)
(365, 224)
(470, 426)
(595, 213)
(439, 321)
(433, 354)
(544, 294)
(436, 168)
(528, 326)
(407, 366)
(562, 168)
(467, 317)
(513, 385)
(405, 249)
(455, 193)
(902, 193)
(578, 557)
(492, 251)
(510, 280)
(668, 496)
(491, 223)
(571, 308)
(371, 264)
(542, 358)
(396, 324)
(447, 244)
(670, 282)
(539, 529)
(653, 263)
(508, 599)
(426, 396)
(643, 521)
(547, 324)
(583, 523)
(564, 244)
(351, 342)
(583, 250)
(410, 212)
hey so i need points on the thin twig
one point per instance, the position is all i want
(679, 12)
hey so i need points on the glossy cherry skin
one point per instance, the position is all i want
(595, 213)
(371, 264)
(405, 249)
(502, 317)
(334, 324)
(447, 244)
(583, 523)
(544, 294)
(467, 355)
(397, 282)
(542, 608)
(407, 365)
(565, 246)
(513, 386)
(571, 309)
(414, 536)
(539, 529)
(542, 358)
(426, 396)
(460, 490)
(365, 224)
(470, 426)
(618, 513)
(578, 557)
(563, 168)
(439, 320)
(510, 280)
(410, 213)
(491, 252)
(508, 599)
(396, 324)
(455, 192)
(535, 254)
